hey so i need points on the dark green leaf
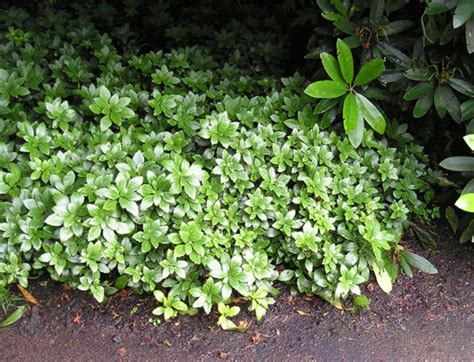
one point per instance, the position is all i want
(464, 11)
(446, 101)
(440, 6)
(452, 218)
(419, 74)
(458, 163)
(405, 266)
(462, 86)
(325, 104)
(470, 35)
(396, 27)
(419, 262)
(423, 105)
(376, 10)
(418, 91)
(14, 317)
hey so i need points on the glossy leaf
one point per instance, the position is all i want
(371, 114)
(346, 62)
(369, 72)
(326, 89)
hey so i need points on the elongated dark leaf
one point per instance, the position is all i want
(452, 218)
(458, 163)
(439, 6)
(396, 27)
(419, 74)
(346, 62)
(369, 72)
(419, 262)
(462, 86)
(405, 266)
(470, 35)
(325, 104)
(441, 100)
(423, 105)
(418, 91)
(464, 11)
(331, 66)
(326, 89)
(467, 110)
(371, 114)
(14, 317)
(376, 10)
(394, 55)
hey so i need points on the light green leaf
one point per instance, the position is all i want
(331, 66)
(371, 114)
(466, 202)
(383, 278)
(369, 72)
(350, 112)
(346, 63)
(326, 89)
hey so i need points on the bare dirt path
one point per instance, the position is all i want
(429, 317)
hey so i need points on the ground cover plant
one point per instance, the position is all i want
(194, 173)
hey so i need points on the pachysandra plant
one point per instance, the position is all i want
(356, 108)
(193, 173)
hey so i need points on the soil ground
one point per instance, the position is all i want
(428, 317)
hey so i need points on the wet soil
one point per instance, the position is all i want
(428, 317)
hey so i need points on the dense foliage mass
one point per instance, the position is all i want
(190, 173)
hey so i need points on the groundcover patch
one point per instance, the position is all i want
(190, 173)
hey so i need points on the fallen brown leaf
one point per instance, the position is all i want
(26, 294)
(77, 319)
(224, 355)
(255, 338)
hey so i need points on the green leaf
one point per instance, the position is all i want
(423, 105)
(466, 202)
(356, 135)
(14, 317)
(418, 91)
(458, 163)
(452, 218)
(346, 63)
(369, 72)
(405, 266)
(332, 67)
(464, 11)
(371, 114)
(419, 262)
(469, 139)
(326, 89)
(446, 101)
(470, 35)
(361, 301)
(462, 86)
(350, 112)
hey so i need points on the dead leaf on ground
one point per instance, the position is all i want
(224, 355)
(77, 319)
(26, 294)
(256, 338)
